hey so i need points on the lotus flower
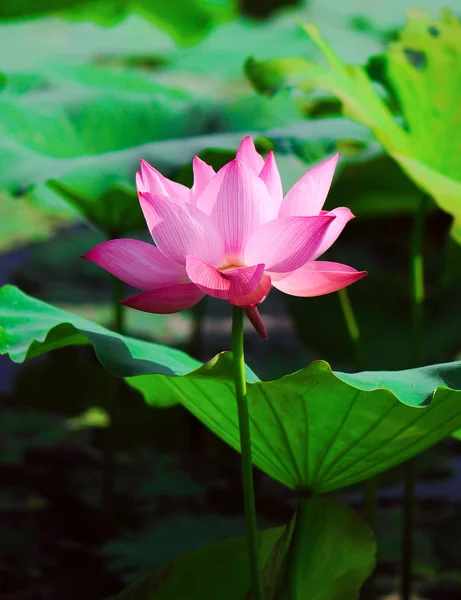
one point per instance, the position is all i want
(233, 235)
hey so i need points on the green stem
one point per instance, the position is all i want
(109, 469)
(245, 444)
(352, 326)
(417, 282)
(118, 290)
(417, 301)
(370, 485)
(354, 334)
(297, 566)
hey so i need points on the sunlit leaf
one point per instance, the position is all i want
(320, 429)
(422, 73)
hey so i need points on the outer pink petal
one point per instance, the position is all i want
(153, 182)
(308, 195)
(143, 188)
(180, 229)
(166, 300)
(203, 174)
(343, 215)
(247, 154)
(238, 203)
(137, 263)
(271, 177)
(227, 284)
(317, 278)
(257, 296)
(285, 244)
(255, 319)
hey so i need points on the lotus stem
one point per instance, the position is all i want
(353, 330)
(296, 565)
(245, 445)
(352, 327)
(370, 486)
(109, 471)
(118, 290)
(417, 282)
(417, 302)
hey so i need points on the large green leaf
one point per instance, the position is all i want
(29, 327)
(319, 429)
(186, 20)
(338, 555)
(422, 72)
(336, 551)
(313, 429)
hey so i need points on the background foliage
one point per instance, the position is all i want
(86, 91)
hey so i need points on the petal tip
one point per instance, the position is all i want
(255, 319)
(89, 255)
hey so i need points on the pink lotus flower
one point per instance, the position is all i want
(233, 235)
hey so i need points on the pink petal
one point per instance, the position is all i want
(227, 284)
(257, 296)
(342, 216)
(317, 278)
(287, 243)
(308, 195)
(166, 300)
(137, 263)
(153, 182)
(247, 154)
(142, 188)
(255, 319)
(238, 203)
(180, 229)
(203, 174)
(271, 177)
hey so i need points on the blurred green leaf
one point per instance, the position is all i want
(93, 417)
(422, 72)
(82, 139)
(91, 112)
(28, 47)
(336, 534)
(185, 20)
(23, 223)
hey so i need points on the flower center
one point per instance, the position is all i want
(232, 264)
